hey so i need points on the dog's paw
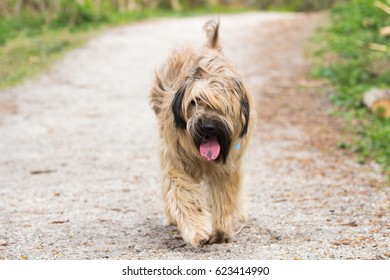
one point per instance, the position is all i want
(220, 236)
(196, 237)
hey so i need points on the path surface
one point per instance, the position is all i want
(79, 174)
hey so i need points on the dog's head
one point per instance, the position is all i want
(212, 106)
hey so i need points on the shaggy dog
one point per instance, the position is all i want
(204, 113)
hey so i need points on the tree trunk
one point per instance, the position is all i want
(175, 4)
(18, 7)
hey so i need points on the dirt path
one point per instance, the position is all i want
(79, 172)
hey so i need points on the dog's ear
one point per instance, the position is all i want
(157, 95)
(177, 108)
(198, 73)
(245, 110)
(245, 107)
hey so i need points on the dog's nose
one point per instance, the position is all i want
(209, 127)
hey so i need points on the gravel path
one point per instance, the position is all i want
(79, 174)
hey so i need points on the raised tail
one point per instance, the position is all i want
(211, 28)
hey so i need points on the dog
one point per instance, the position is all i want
(204, 113)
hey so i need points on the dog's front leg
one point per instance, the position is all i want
(227, 206)
(186, 206)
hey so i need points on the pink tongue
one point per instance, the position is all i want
(209, 149)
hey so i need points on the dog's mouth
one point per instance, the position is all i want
(212, 137)
(209, 148)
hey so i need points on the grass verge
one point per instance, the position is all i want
(352, 62)
(26, 56)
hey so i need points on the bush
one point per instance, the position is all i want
(75, 13)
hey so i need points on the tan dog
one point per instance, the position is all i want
(204, 113)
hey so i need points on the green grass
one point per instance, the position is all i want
(30, 44)
(26, 56)
(353, 67)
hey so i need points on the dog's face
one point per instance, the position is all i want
(214, 110)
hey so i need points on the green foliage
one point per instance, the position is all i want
(71, 15)
(79, 13)
(353, 66)
(295, 5)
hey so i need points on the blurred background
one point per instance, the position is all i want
(46, 28)
(352, 51)
(99, 9)
(37, 14)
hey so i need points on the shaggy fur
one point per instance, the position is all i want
(197, 94)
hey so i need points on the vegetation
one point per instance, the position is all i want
(355, 59)
(295, 5)
(33, 33)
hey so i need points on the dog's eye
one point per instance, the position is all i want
(193, 103)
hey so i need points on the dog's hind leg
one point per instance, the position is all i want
(186, 206)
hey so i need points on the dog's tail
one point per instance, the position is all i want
(211, 28)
